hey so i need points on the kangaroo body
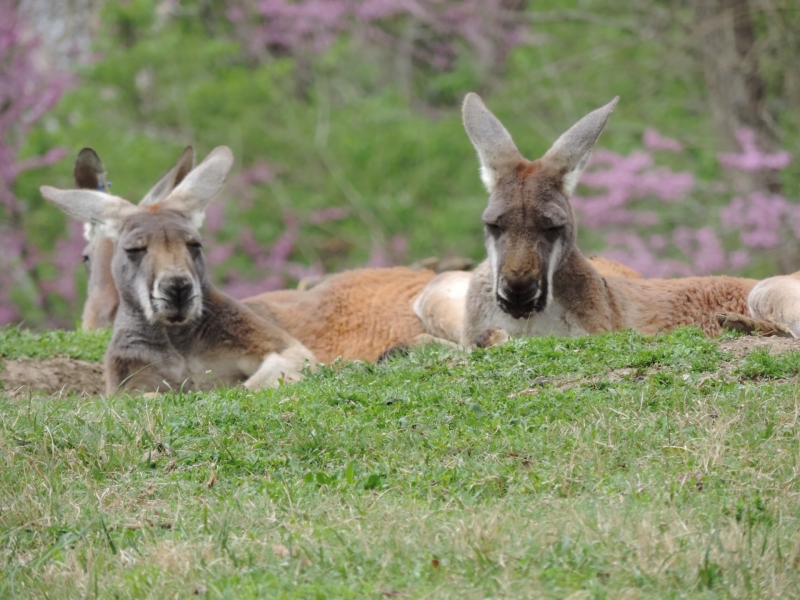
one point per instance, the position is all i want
(355, 315)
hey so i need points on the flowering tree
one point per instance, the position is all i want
(27, 92)
(429, 32)
(755, 217)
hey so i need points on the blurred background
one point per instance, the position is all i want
(344, 117)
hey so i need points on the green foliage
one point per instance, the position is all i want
(345, 130)
(761, 364)
(16, 343)
(547, 466)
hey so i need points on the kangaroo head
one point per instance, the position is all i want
(529, 227)
(157, 264)
(102, 298)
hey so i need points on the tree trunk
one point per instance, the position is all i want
(736, 91)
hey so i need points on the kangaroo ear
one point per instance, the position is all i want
(102, 211)
(496, 150)
(171, 180)
(572, 150)
(201, 185)
(89, 172)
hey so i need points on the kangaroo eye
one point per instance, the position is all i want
(194, 245)
(493, 228)
(136, 251)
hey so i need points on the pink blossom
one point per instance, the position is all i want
(702, 248)
(67, 256)
(752, 158)
(326, 215)
(399, 246)
(27, 92)
(652, 139)
(488, 27)
(379, 258)
(8, 312)
(632, 250)
(625, 180)
(738, 259)
(758, 218)
(238, 288)
(215, 216)
(219, 253)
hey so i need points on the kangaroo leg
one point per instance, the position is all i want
(286, 366)
(441, 305)
(123, 373)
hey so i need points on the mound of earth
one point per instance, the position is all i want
(51, 376)
(742, 346)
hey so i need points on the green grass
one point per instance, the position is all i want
(612, 466)
(16, 343)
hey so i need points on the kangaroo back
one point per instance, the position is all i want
(355, 315)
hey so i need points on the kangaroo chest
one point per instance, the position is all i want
(553, 320)
(208, 367)
(484, 313)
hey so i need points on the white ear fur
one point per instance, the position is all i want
(171, 179)
(201, 185)
(102, 211)
(496, 150)
(571, 152)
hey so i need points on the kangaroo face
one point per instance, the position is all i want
(102, 298)
(159, 267)
(529, 227)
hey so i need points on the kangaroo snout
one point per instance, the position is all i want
(176, 298)
(519, 298)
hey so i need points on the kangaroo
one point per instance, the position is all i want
(102, 298)
(535, 280)
(172, 326)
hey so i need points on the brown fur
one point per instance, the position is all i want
(353, 315)
(102, 300)
(611, 268)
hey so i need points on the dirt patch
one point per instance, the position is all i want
(51, 376)
(742, 346)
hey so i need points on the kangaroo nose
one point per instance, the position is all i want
(178, 289)
(520, 293)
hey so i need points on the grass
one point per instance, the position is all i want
(604, 467)
(16, 343)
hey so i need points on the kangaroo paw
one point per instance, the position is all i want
(494, 336)
(749, 325)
